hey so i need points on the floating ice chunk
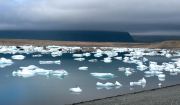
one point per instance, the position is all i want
(128, 72)
(83, 68)
(23, 73)
(161, 77)
(107, 84)
(86, 54)
(59, 73)
(18, 57)
(76, 90)
(57, 53)
(141, 66)
(152, 73)
(79, 59)
(5, 62)
(118, 84)
(78, 55)
(159, 85)
(141, 82)
(103, 76)
(50, 62)
(93, 60)
(107, 60)
(118, 58)
(168, 55)
(37, 55)
(97, 55)
(121, 69)
(32, 70)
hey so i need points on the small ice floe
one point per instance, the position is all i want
(86, 54)
(159, 85)
(83, 68)
(152, 73)
(128, 71)
(141, 82)
(161, 77)
(37, 55)
(18, 57)
(79, 59)
(121, 69)
(107, 60)
(76, 90)
(168, 55)
(108, 85)
(5, 62)
(56, 53)
(78, 55)
(50, 62)
(103, 76)
(97, 55)
(93, 60)
(32, 70)
(141, 66)
(118, 58)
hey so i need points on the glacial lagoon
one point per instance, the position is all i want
(58, 75)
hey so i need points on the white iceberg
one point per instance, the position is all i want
(76, 89)
(18, 57)
(107, 60)
(56, 53)
(78, 55)
(93, 60)
(32, 70)
(50, 62)
(108, 85)
(161, 77)
(141, 82)
(83, 68)
(37, 55)
(5, 62)
(103, 76)
(79, 59)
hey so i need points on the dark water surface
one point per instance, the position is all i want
(40, 90)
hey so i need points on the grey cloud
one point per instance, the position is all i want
(136, 16)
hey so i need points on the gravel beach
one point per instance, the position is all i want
(163, 96)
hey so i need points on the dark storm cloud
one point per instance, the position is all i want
(135, 16)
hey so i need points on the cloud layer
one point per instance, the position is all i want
(135, 16)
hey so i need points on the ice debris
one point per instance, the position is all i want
(5, 62)
(141, 82)
(32, 70)
(103, 76)
(18, 57)
(83, 68)
(76, 89)
(50, 62)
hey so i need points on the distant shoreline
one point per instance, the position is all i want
(164, 44)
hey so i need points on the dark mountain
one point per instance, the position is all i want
(90, 36)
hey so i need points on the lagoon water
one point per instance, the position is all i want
(42, 90)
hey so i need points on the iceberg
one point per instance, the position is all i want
(32, 70)
(37, 55)
(108, 85)
(107, 60)
(86, 54)
(57, 53)
(18, 57)
(79, 59)
(78, 55)
(161, 77)
(5, 62)
(93, 60)
(103, 76)
(50, 62)
(76, 89)
(83, 68)
(141, 82)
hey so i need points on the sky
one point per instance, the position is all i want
(139, 17)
